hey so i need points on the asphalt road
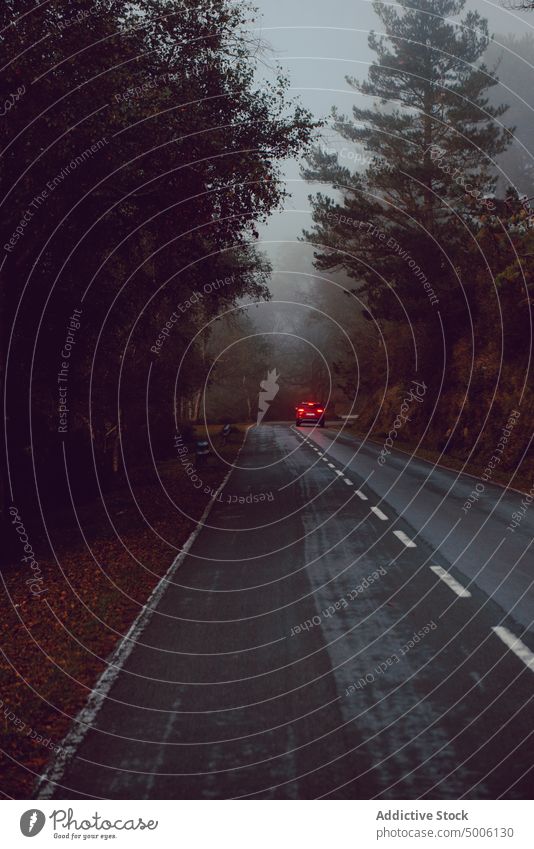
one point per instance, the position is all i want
(333, 640)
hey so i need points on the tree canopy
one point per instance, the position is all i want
(140, 149)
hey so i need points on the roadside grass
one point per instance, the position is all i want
(55, 646)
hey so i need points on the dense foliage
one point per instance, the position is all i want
(442, 266)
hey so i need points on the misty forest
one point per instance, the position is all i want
(146, 304)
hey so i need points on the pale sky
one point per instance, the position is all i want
(318, 43)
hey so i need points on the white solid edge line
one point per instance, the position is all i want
(404, 538)
(516, 645)
(47, 783)
(451, 582)
(361, 495)
(378, 512)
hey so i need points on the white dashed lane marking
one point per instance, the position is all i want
(378, 512)
(404, 538)
(508, 638)
(516, 645)
(451, 582)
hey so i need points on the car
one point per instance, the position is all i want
(310, 411)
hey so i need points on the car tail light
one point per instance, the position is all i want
(320, 410)
(300, 410)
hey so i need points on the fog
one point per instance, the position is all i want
(318, 44)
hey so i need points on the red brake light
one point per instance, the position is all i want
(300, 410)
(320, 410)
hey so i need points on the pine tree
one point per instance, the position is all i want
(187, 162)
(403, 226)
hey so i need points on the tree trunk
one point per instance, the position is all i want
(196, 405)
